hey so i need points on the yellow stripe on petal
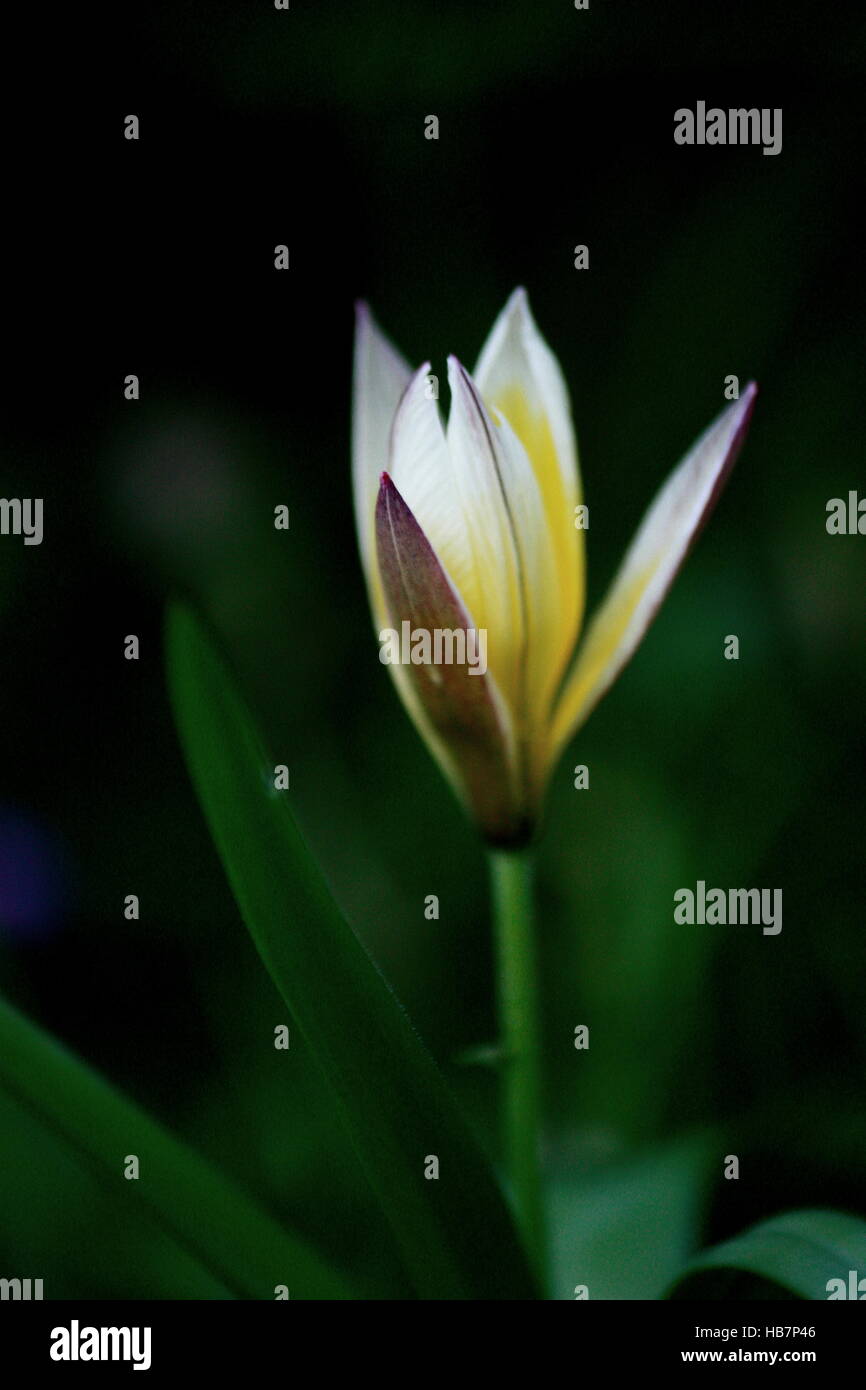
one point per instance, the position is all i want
(650, 566)
(496, 594)
(519, 377)
(516, 564)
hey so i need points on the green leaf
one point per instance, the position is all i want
(455, 1234)
(204, 1211)
(797, 1254)
(624, 1231)
(70, 1249)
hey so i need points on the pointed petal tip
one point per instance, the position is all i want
(516, 312)
(464, 388)
(407, 399)
(741, 411)
(389, 499)
(364, 320)
(367, 331)
(457, 374)
(417, 375)
(745, 404)
(750, 395)
(456, 370)
(388, 489)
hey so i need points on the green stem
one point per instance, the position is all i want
(511, 883)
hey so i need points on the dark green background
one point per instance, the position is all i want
(556, 128)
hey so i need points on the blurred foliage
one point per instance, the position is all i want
(555, 128)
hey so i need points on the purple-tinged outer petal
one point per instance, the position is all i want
(461, 715)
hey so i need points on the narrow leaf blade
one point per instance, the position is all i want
(455, 1233)
(798, 1253)
(203, 1211)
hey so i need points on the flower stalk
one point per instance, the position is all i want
(511, 877)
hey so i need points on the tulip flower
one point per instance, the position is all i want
(474, 527)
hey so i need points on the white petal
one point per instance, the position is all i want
(422, 469)
(516, 357)
(380, 378)
(515, 569)
(518, 375)
(496, 598)
(651, 564)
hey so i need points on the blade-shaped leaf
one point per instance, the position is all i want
(626, 1230)
(201, 1209)
(455, 1234)
(798, 1254)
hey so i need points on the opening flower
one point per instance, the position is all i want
(471, 528)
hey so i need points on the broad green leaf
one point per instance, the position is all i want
(204, 1212)
(797, 1254)
(624, 1231)
(455, 1234)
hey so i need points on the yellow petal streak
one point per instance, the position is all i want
(560, 498)
(556, 599)
(521, 383)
